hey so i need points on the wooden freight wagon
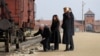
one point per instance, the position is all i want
(22, 12)
(15, 14)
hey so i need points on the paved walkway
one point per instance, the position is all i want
(86, 44)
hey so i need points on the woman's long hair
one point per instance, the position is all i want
(55, 16)
(55, 22)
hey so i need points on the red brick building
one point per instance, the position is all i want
(22, 11)
(90, 23)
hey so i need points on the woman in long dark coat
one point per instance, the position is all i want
(55, 32)
(67, 29)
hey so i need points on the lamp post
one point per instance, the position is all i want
(83, 22)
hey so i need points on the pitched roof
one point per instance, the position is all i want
(89, 12)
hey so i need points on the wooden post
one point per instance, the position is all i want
(24, 38)
(17, 39)
(17, 43)
(6, 42)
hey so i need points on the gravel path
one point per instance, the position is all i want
(86, 44)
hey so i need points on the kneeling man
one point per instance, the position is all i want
(46, 34)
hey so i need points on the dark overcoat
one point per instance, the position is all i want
(55, 37)
(67, 28)
(46, 33)
(72, 22)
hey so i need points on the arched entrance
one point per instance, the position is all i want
(89, 27)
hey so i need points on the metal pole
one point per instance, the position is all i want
(83, 22)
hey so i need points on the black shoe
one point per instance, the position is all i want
(71, 49)
(45, 50)
(66, 49)
(55, 49)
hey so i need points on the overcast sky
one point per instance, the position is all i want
(45, 9)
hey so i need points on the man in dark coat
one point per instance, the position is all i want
(72, 29)
(46, 34)
(68, 29)
(56, 39)
(72, 20)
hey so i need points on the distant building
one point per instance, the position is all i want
(89, 23)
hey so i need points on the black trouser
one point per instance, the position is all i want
(56, 46)
(46, 45)
(71, 44)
